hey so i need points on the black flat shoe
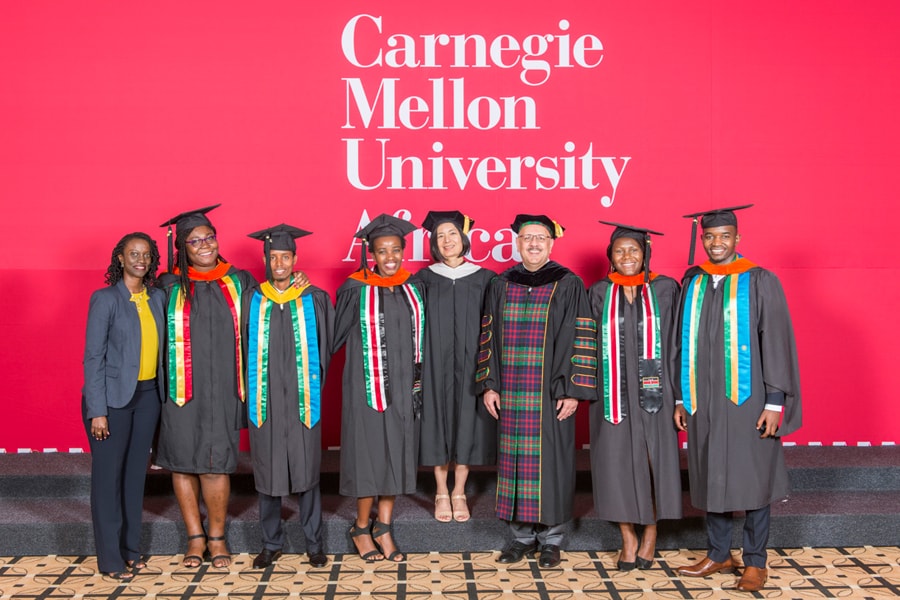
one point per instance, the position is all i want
(266, 558)
(317, 559)
(549, 557)
(643, 564)
(515, 552)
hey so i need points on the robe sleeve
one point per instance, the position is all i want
(346, 315)
(574, 366)
(325, 325)
(778, 349)
(487, 368)
(667, 296)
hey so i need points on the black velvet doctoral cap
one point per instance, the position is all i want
(717, 217)
(556, 230)
(186, 221)
(435, 218)
(640, 234)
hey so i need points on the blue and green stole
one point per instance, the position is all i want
(306, 342)
(612, 340)
(736, 316)
(178, 319)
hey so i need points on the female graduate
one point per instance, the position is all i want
(457, 431)
(204, 412)
(123, 388)
(380, 318)
(634, 446)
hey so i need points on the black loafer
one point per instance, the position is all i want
(549, 557)
(515, 552)
(266, 558)
(317, 559)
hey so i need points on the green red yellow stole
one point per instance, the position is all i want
(612, 340)
(179, 330)
(736, 316)
(371, 324)
(306, 342)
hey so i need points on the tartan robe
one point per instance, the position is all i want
(538, 345)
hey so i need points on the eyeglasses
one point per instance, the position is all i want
(535, 237)
(197, 242)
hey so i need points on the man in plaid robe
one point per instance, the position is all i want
(537, 358)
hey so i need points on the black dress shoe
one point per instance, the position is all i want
(549, 557)
(643, 564)
(266, 558)
(624, 565)
(515, 552)
(317, 559)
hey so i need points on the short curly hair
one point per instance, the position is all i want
(115, 271)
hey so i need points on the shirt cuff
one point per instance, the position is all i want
(775, 407)
(679, 402)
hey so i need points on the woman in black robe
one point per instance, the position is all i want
(634, 446)
(380, 318)
(456, 428)
(204, 412)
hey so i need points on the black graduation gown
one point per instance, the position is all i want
(286, 455)
(556, 479)
(635, 463)
(378, 449)
(455, 424)
(730, 468)
(203, 435)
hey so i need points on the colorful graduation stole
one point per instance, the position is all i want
(374, 353)
(306, 341)
(736, 316)
(612, 335)
(179, 330)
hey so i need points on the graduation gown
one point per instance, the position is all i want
(378, 449)
(203, 435)
(286, 455)
(455, 424)
(729, 466)
(635, 463)
(536, 451)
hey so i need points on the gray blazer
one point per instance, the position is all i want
(112, 349)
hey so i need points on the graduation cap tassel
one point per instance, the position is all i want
(267, 246)
(170, 242)
(647, 258)
(693, 241)
(362, 258)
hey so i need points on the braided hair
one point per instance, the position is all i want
(115, 271)
(181, 260)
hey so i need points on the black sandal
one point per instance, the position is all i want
(379, 529)
(123, 576)
(137, 564)
(219, 557)
(193, 557)
(355, 532)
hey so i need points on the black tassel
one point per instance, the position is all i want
(693, 241)
(171, 242)
(362, 258)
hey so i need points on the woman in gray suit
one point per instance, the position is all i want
(123, 390)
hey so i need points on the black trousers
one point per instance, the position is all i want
(118, 473)
(756, 536)
(310, 520)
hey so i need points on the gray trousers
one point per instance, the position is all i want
(310, 520)
(538, 533)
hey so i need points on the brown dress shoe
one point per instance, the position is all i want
(706, 567)
(753, 579)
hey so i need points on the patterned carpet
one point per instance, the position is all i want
(858, 573)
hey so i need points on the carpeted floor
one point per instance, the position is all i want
(858, 573)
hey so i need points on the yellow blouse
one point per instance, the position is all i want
(149, 337)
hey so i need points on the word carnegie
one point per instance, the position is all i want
(461, 50)
(439, 172)
(434, 98)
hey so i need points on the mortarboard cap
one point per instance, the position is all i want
(642, 235)
(717, 217)
(381, 226)
(556, 230)
(186, 221)
(435, 218)
(279, 237)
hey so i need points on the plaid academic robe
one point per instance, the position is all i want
(538, 344)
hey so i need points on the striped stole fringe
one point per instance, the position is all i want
(736, 315)
(308, 365)
(613, 349)
(179, 345)
(375, 359)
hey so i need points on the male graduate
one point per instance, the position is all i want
(288, 333)
(739, 393)
(537, 359)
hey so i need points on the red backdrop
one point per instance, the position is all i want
(115, 116)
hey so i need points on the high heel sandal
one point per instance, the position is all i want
(219, 557)
(379, 529)
(195, 559)
(443, 515)
(369, 557)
